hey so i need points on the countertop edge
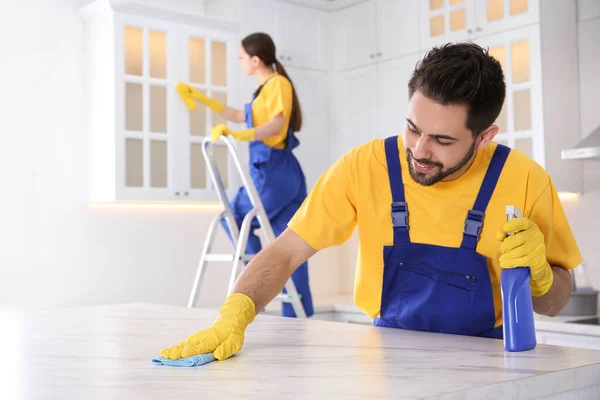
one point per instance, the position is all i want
(534, 386)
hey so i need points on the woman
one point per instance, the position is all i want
(271, 118)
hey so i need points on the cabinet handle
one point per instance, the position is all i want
(478, 29)
(469, 31)
(289, 58)
(176, 193)
(378, 54)
(186, 193)
(372, 55)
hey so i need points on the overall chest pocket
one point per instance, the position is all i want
(434, 300)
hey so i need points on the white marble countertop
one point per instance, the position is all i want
(105, 353)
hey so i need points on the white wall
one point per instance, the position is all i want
(57, 251)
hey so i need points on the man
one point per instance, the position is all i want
(430, 210)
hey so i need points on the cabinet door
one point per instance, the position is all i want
(355, 36)
(257, 16)
(521, 119)
(493, 16)
(300, 36)
(313, 93)
(355, 109)
(206, 64)
(392, 94)
(397, 25)
(145, 104)
(444, 21)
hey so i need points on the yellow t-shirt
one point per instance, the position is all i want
(356, 191)
(275, 98)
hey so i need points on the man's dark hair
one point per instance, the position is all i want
(462, 74)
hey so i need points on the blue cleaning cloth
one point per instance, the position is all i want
(192, 361)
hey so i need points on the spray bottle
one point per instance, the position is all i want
(517, 309)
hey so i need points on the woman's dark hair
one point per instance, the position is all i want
(261, 45)
(462, 74)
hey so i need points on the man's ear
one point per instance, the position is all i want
(487, 136)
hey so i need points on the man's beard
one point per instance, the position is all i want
(428, 180)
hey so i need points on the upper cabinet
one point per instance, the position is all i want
(144, 144)
(299, 32)
(300, 36)
(375, 30)
(540, 63)
(521, 121)
(445, 21)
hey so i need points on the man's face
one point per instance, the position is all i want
(437, 142)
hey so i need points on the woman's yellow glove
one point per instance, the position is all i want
(188, 94)
(523, 246)
(226, 335)
(243, 135)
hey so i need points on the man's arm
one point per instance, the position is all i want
(265, 276)
(558, 296)
(262, 280)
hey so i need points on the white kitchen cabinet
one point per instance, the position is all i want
(392, 94)
(397, 25)
(356, 109)
(300, 34)
(257, 16)
(541, 74)
(371, 102)
(541, 71)
(446, 21)
(312, 88)
(298, 31)
(144, 145)
(355, 35)
(568, 340)
(521, 122)
(375, 31)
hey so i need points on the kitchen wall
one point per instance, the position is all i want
(56, 250)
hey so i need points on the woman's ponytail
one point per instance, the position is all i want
(296, 117)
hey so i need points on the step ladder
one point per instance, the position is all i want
(239, 236)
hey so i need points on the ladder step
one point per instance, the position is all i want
(226, 257)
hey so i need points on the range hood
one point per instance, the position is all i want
(588, 148)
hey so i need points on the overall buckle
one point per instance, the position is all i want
(399, 214)
(474, 223)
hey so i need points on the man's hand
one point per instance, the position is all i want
(226, 335)
(523, 246)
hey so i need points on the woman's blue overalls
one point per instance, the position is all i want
(281, 186)
(435, 288)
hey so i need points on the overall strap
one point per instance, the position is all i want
(399, 208)
(475, 216)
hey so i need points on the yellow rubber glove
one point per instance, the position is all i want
(188, 93)
(186, 96)
(226, 335)
(525, 247)
(243, 135)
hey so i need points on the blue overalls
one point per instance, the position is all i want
(436, 288)
(281, 186)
